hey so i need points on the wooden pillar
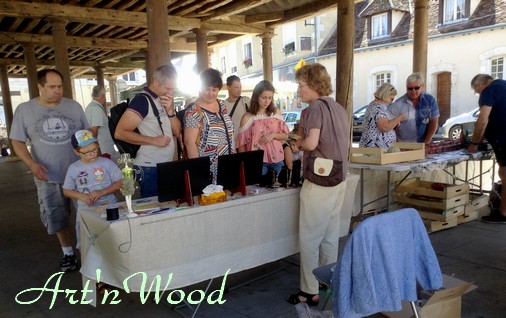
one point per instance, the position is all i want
(344, 54)
(202, 55)
(158, 36)
(113, 91)
(6, 97)
(61, 55)
(421, 34)
(100, 75)
(267, 54)
(31, 70)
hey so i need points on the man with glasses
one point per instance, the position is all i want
(420, 110)
(491, 123)
(157, 133)
(49, 121)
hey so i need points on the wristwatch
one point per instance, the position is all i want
(171, 116)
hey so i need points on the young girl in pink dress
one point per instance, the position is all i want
(263, 127)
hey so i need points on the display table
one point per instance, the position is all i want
(434, 162)
(193, 244)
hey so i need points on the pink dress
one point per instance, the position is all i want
(259, 126)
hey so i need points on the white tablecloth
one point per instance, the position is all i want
(193, 244)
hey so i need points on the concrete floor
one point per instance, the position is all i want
(29, 257)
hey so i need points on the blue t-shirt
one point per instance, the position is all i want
(414, 127)
(88, 177)
(494, 95)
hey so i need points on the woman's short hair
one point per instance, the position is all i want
(257, 91)
(316, 77)
(211, 78)
(385, 91)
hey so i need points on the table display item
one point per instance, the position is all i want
(128, 187)
(112, 214)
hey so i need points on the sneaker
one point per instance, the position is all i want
(494, 218)
(68, 263)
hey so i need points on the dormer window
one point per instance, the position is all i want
(379, 26)
(452, 11)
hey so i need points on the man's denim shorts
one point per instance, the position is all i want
(54, 206)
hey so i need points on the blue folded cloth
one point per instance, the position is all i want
(381, 262)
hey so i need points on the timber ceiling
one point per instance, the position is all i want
(113, 33)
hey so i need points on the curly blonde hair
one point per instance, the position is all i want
(316, 77)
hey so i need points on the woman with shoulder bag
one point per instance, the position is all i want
(325, 131)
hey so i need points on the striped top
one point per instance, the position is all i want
(216, 132)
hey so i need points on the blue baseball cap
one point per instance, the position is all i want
(82, 138)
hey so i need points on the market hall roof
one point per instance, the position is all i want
(114, 33)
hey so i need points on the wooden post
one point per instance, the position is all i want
(202, 54)
(61, 55)
(421, 34)
(31, 70)
(100, 75)
(158, 36)
(6, 97)
(344, 54)
(113, 91)
(267, 54)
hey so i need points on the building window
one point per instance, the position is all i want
(248, 56)
(129, 77)
(379, 26)
(380, 78)
(223, 65)
(289, 48)
(497, 68)
(305, 43)
(453, 10)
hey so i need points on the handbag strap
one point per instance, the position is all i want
(328, 107)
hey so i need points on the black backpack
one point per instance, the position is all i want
(116, 113)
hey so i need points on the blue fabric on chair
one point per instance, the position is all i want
(381, 262)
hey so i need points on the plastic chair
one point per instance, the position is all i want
(382, 261)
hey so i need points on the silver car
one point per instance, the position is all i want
(452, 128)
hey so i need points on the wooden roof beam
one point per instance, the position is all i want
(89, 15)
(304, 11)
(236, 7)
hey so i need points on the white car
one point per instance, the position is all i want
(452, 128)
(291, 117)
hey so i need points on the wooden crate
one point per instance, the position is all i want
(442, 216)
(416, 151)
(434, 226)
(431, 189)
(476, 202)
(473, 215)
(414, 200)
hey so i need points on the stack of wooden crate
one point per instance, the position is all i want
(440, 205)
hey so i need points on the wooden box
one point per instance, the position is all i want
(476, 202)
(442, 216)
(410, 151)
(413, 200)
(431, 189)
(473, 215)
(434, 226)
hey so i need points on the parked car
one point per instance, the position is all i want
(452, 128)
(291, 117)
(358, 122)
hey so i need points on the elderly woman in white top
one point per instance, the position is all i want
(379, 124)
